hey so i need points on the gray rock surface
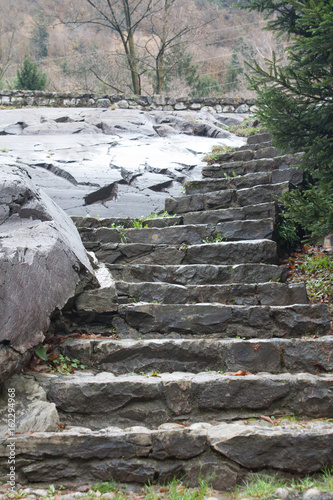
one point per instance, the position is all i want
(252, 445)
(32, 410)
(42, 263)
(123, 162)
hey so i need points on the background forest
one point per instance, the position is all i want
(177, 47)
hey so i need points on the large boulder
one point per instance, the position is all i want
(42, 265)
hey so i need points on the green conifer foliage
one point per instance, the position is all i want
(295, 103)
(29, 77)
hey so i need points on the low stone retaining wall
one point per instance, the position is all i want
(19, 98)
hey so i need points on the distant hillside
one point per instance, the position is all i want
(204, 45)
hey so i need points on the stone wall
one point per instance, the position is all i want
(18, 98)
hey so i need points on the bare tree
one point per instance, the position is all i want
(122, 17)
(8, 45)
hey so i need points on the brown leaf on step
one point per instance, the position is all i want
(53, 357)
(57, 497)
(267, 419)
(242, 373)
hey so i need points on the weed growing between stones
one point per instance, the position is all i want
(59, 363)
(314, 268)
(121, 230)
(65, 365)
(155, 215)
(217, 152)
(247, 127)
(215, 238)
(264, 487)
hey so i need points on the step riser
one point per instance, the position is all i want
(250, 167)
(200, 274)
(244, 154)
(221, 454)
(94, 223)
(266, 193)
(256, 251)
(246, 230)
(249, 212)
(276, 294)
(231, 231)
(273, 356)
(131, 458)
(291, 175)
(190, 235)
(100, 401)
(227, 321)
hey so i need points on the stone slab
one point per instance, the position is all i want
(199, 274)
(265, 193)
(196, 355)
(97, 401)
(227, 320)
(236, 294)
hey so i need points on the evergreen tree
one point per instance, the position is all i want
(29, 77)
(40, 37)
(295, 103)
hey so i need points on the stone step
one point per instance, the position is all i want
(292, 175)
(199, 274)
(221, 454)
(233, 252)
(246, 167)
(222, 321)
(178, 235)
(265, 193)
(245, 230)
(238, 294)
(198, 355)
(246, 154)
(182, 235)
(255, 147)
(248, 212)
(259, 139)
(98, 400)
(127, 222)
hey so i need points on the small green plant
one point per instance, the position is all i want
(217, 154)
(259, 486)
(41, 353)
(137, 223)
(105, 487)
(65, 365)
(183, 247)
(244, 129)
(51, 492)
(316, 271)
(4, 150)
(121, 230)
(215, 238)
(155, 215)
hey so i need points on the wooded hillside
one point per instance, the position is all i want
(178, 47)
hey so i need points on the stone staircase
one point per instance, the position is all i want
(220, 368)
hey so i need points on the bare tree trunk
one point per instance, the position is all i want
(160, 58)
